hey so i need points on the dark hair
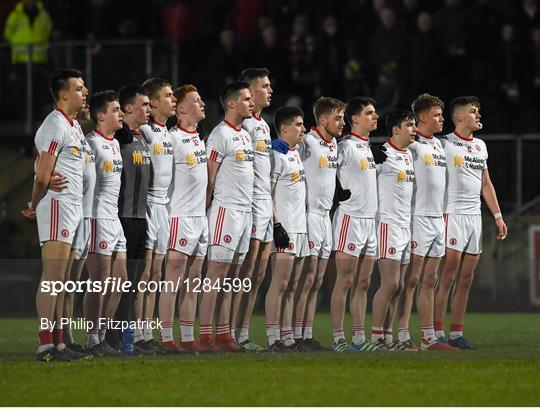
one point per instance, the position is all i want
(396, 117)
(127, 94)
(425, 102)
(152, 86)
(251, 74)
(285, 115)
(355, 106)
(459, 102)
(99, 100)
(59, 81)
(326, 105)
(230, 91)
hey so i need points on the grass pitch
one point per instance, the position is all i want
(503, 371)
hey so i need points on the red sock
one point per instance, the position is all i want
(45, 337)
(439, 325)
(456, 327)
(58, 336)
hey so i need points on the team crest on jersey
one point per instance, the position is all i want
(453, 241)
(323, 161)
(65, 232)
(227, 238)
(392, 250)
(401, 176)
(240, 155)
(103, 245)
(191, 160)
(260, 146)
(158, 148)
(351, 247)
(364, 164)
(107, 166)
(428, 159)
(459, 161)
(182, 242)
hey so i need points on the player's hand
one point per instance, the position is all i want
(280, 145)
(343, 194)
(281, 238)
(58, 182)
(30, 212)
(503, 230)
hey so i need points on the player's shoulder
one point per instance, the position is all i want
(248, 124)
(53, 121)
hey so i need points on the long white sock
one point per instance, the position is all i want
(138, 335)
(92, 339)
(186, 331)
(403, 335)
(272, 333)
(428, 334)
(308, 330)
(359, 335)
(166, 331)
(338, 334)
(244, 333)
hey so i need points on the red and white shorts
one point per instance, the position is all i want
(263, 226)
(81, 243)
(189, 235)
(354, 235)
(394, 242)
(319, 228)
(107, 237)
(157, 231)
(464, 232)
(229, 228)
(427, 236)
(57, 220)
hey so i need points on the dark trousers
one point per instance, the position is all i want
(135, 233)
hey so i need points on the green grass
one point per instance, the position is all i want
(503, 371)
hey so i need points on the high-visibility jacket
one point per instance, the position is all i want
(21, 34)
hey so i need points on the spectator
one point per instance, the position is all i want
(509, 65)
(226, 61)
(303, 62)
(409, 14)
(29, 24)
(332, 56)
(268, 52)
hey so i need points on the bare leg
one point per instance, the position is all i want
(360, 288)
(311, 305)
(287, 302)
(345, 270)
(392, 306)
(119, 272)
(449, 269)
(463, 286)
(307, 278)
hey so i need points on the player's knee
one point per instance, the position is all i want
(466, 279)
(363, 284)
(308, 282)
(413, 282)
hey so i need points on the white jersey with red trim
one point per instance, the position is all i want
(89, 177)
(108, 175)
(159, 143)
(290, 190)
(261, 140)
(357, 173)
(395, 180)
(190, 176)
(232, 148)
(430, 176)
(320, 159)
(467, 159)
(61, 137)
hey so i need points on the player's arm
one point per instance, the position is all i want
(58, 181)
(490, 196)
(213, 167)
(42, 179)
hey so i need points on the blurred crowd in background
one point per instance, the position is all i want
(391, 50)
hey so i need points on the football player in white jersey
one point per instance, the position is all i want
(354, 238)
(254, 266)
(107, 252)
(467, 178)
(320, 157)
(427, 224)
(188, 240)
(158, 139)
(395, 180)
(290, 235)
(58, 213)
(229, 199)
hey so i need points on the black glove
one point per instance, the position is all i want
(281, 238)
(342, 194)
(379, 155)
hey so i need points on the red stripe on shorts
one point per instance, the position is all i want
(219, 225)
(343, 233)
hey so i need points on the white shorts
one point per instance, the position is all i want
(427, 236)
(464, 232)
(157, 232)
(225, 255)
(229, 228)
(298, 245)
(57, 220)
(107, 237)
(354, 235)
(394, 242)
(319, 228)
(81, 243)
(189, 235)
(263, 227)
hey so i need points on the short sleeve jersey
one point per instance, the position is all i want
(430, 176)
(232, 148)
(395, 180)
(290, 190)
(261, 140)
(320, 158)
(159, 143)
(89, 177)
(61, 137)
(190, 174)
(135, 177)
(467, 159)
(357, 173)
(108, 175)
